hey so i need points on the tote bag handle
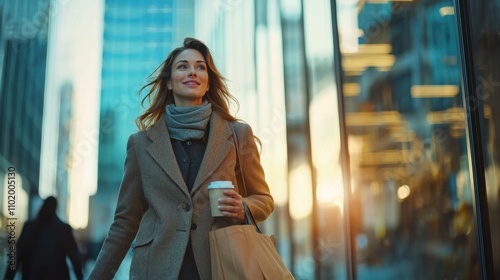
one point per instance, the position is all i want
(248, 215)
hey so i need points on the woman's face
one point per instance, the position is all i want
(189, 79)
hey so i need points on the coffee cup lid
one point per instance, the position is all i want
(221, 185)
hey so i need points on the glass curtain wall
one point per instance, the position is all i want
(300, 175)
(324, 133)
(484, 85)
(410, 193)
(406, 207)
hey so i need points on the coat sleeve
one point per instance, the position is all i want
(130, 208)
(259, 199)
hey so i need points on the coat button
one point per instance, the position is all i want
(193, 226)
(184, 206)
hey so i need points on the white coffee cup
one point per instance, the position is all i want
(215, 191)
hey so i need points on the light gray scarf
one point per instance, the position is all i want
(186, 123)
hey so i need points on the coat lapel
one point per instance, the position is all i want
(162, 152)
(218, 146)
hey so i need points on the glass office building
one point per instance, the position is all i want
(137, 37)
(23, 50)
(386, 112)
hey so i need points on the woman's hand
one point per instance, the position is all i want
(232, 205)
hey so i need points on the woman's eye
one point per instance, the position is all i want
(182, 66)
(202, 67)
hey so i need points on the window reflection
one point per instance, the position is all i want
(412, 214)
(330, 248)
(485, 41)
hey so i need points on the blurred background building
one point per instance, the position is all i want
(376, 117)
(136, 36)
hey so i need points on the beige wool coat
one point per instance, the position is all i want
(155, 213)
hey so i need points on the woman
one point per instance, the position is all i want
(184, 143)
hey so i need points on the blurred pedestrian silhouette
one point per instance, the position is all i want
(43, 246)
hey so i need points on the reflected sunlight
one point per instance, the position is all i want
(403, 192)
(333, 193)
(447, 11)
(71, 123)
(434, 91)
(325, 145)
(300, 192)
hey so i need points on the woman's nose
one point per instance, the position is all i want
(192, 71)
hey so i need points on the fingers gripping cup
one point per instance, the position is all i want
(215, 191)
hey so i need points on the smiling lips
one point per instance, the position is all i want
(192, 83)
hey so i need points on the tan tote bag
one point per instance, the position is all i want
(242, 252)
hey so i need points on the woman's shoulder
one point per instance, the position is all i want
(152, 131)
(241, 126)
(145, 136)
(138, 135)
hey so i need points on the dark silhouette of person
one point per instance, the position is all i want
(43, 246)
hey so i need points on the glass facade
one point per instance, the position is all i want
(137, 37)
(23, 49)
(382, 178)
(406, 134)
(24, 44)
(480, 40)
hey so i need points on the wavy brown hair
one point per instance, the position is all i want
(159, 96)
